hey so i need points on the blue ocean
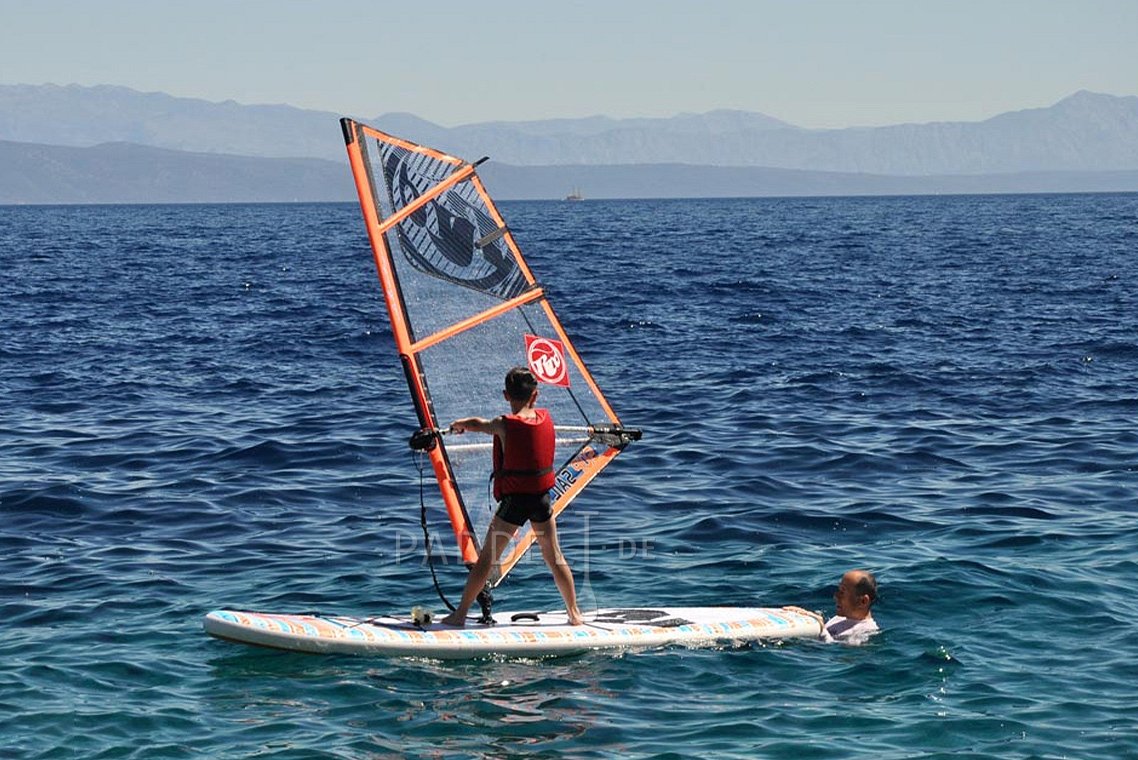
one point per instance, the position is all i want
(201, 407)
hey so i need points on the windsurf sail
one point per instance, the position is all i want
(464, 309)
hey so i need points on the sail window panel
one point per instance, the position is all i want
(402, 174)
(432, 302)
(450, 255)
(466, 371)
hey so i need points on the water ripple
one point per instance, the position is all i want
(204, 408)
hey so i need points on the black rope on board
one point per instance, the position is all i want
(427, 534)
(422, 441)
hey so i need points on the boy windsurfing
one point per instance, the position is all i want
(524, 443)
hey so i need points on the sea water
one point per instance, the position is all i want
(200, 406)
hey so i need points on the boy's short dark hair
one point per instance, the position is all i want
(520, 384)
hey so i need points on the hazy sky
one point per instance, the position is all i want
(816, 63)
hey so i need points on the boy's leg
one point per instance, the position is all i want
(497, 536)
(546, 535)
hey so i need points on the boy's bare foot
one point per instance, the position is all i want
(454, 620)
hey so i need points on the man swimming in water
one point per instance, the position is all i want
(524, 443)
(853, 622)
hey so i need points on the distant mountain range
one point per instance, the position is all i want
(74, 144)
(129, 173)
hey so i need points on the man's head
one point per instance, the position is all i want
(856, 594)
(520, 385)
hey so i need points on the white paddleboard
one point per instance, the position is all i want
(524, 634)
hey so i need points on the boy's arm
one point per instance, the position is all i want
(479, 425)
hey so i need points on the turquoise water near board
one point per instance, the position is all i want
(200, 407)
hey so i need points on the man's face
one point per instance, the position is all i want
(846, 600)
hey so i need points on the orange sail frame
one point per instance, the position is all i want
(580, 469)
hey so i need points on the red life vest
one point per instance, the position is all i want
(526, 464)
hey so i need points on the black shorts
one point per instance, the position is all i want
(516, 508)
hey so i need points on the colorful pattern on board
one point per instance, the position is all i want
(608, 629)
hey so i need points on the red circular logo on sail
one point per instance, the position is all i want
(546, 359)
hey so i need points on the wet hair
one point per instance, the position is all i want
(866, 586)
(520, 384)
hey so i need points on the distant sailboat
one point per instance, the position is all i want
(575, 196)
